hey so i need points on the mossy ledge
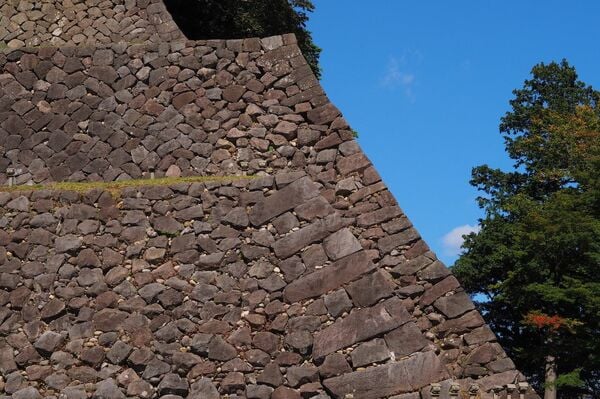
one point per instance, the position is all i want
(115, 187)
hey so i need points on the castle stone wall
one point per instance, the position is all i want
(33, 23)
(292, 273)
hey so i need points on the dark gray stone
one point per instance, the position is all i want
(204, 388)
(173, 384)
(338, 302)
(369, 289)
(49, 342)
(108, 389)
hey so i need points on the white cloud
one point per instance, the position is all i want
(453, 240)
(395, 76)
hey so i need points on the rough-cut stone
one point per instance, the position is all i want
(370, 352)
(434, 272)
(229, 282)
(479, 336)
(67, 243)
(439, 289)
(20, 203)
(294, 242)
(329, 278)
(271, 375)
(464, 323)
(341, 243)
(360, 325)
(324, 114)
(317, 207)
(283, 200)
(173, 384)
(218, 349)
(334, 364)
(285, 393)
(338, 302)
(406, 340)
(204, 389)
(52, 309)
(48, 342)
(403, 376)
(108, 389)
(300, 375)
(454, 305)
(27, 393)
(405, 237)
(378, 216)
(369, 289)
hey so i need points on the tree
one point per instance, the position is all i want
(234, 19)
(536, 259)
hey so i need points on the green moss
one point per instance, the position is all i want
(115, 187)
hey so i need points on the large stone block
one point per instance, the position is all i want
(404, 376)
(283, 200)
(297, 240)
(329, 278)
(454, 305)
(360, 325)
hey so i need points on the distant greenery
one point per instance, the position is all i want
(536, 260)
(233, 19)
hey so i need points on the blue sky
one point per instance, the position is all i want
(425, 85)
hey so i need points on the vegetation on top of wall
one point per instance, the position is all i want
(234, 19)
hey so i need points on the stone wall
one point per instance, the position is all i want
(116, 112)
(299, 278)
(46, 23)
(276, 286)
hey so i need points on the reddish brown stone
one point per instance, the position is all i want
(183, 99)
(324, 114)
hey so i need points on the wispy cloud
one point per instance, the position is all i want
(399, 75)
(394, 76)
(466, 65)
(453, 240)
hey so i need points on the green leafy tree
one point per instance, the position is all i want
(233, 19)
(535, 264)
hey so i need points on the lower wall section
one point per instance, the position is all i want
(269, 287)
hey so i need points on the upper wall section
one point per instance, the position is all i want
(198, 108)
(84, 22)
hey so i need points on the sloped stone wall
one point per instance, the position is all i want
(300, 278)
(277, 286)
(33, 23)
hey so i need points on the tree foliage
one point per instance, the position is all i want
(233, 19)
(536, 259)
